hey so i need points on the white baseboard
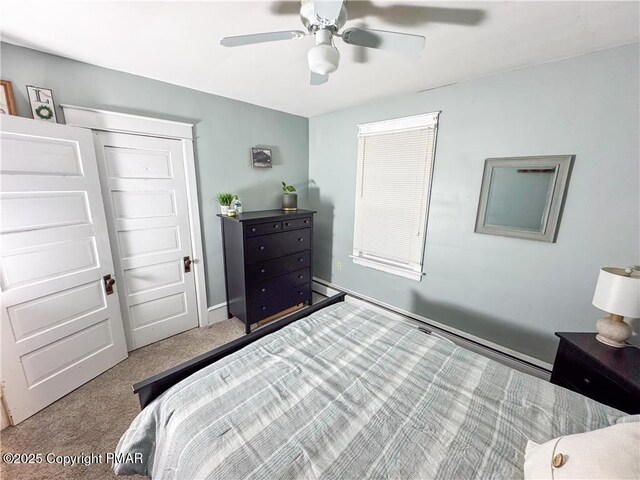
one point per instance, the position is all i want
(217, 313)
(502, 354)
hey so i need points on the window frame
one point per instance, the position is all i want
(426, 120)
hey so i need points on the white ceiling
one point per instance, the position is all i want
(178, 42)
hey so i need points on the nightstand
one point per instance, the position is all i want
(606, 374)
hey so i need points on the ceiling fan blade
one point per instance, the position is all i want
(327, 9)
(261, 38)
(397, 42)
(317, 79)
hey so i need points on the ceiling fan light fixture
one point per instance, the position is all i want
(323, 59)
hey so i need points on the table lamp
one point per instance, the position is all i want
(617, 293)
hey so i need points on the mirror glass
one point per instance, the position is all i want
(519, 197)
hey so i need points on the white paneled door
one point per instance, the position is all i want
(60, 327)
(145, 196)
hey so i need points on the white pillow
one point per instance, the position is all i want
(608, 453)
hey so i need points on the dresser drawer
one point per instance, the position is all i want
(296, 223)
(262, 228)
(277, 285)
(257, 272)
(265, 247)
(270, 306)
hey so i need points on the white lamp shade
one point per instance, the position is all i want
(618, 292)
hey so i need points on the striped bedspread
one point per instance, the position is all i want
(348, 393)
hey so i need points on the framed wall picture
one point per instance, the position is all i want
(41, 101)
(7, 100)
(261, 157)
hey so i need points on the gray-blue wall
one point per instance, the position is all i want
(225, 130)
(514, 292)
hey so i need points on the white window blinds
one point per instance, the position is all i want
(395, 165)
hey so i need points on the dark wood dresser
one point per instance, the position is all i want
(606, 374)
(268, 262)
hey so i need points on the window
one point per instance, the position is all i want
(395, 165)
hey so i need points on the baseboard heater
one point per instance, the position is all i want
(541, 370)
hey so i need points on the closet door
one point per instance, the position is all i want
(61, 326)
(145, 195)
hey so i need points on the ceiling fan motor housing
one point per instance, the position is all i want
(313, 22)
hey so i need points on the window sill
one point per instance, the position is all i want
(401, 272)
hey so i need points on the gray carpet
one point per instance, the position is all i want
(92, 418)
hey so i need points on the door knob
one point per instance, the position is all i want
(187, 264)
(108, 284)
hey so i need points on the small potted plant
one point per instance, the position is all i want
(225, 199)
(289, 198)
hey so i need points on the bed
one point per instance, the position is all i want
(350, 393)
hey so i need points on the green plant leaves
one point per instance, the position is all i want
(288, 188)
(225, 199)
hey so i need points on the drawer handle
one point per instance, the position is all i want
(300, 293)
(301, 259)
(262, 270)
(254, 229)
(301, 239)
(300, 276)
(261, 247)
(306, 221)
(263, 308)
(263, 290)
(586, 380)
(276, 225)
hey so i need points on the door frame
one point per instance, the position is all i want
(116, 122)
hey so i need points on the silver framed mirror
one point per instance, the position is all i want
(523, 196)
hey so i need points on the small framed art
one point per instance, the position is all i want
(41, 101)
(7, 100)
(261, 157)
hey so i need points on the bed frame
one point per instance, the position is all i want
(149, 389)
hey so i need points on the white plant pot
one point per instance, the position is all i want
(224, 209)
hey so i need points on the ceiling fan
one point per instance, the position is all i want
(324, 19)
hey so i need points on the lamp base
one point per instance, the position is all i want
(612, 332)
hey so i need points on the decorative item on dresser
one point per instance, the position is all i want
(225, 200)
(617, 293)
(289, 198)
(268, 258)
(607, 375)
